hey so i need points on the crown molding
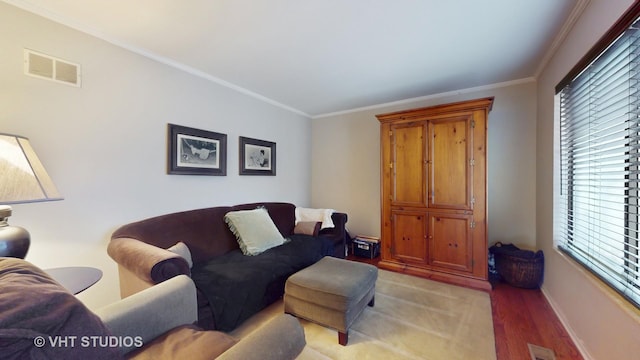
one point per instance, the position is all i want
(575, 14)
(430, 97)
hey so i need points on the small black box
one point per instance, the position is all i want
(365, 247)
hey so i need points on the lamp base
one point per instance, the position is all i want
(14, 240)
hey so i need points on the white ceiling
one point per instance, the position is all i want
(325, 56)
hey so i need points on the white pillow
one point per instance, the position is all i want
(254, 230)
(182, 249)
(323, 215)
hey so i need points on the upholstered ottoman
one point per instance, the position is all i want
(332, 293)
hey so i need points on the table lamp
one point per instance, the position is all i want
(23, 179)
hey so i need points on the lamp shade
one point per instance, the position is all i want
(23, 179)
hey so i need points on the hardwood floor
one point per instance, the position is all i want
(521, 317)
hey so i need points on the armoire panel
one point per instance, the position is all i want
(408, 164)
(450, 162)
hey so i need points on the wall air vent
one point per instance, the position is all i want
(51, 68)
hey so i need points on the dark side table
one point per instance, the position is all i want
(75, 278)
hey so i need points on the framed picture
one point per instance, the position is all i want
(196, 152)
(257, 157)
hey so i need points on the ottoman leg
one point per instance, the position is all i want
(343, 337)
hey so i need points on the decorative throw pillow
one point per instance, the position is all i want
(37, 311)
(254, 230)
(182, 249)
(307, 228)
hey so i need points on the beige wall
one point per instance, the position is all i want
(603, 325)
(346, 162)
(104, 144)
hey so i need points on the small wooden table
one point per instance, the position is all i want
(76, 279)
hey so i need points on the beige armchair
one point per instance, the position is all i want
(40, 319)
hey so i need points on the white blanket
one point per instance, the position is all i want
(318, 215)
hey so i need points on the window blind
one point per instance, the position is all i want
(599, 214)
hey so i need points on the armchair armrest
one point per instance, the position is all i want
(280, 339)
(152, 312)
(149, 263)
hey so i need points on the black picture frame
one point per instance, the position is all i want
(257, 157)
(196, 152)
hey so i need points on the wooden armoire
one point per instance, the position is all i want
(434, 189)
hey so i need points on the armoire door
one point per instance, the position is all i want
(408, 164)
(450, 241)
(409, 242)
(450, 160)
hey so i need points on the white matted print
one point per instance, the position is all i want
(257, 157)
(198, 152)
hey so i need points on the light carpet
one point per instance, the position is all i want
(413, 318)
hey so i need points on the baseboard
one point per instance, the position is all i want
(585, 354)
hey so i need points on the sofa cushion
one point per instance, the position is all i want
(238, 286)
(185, 342)
(36, 311)
(254, 230)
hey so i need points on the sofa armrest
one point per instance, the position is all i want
(338, 233)
(152, 312)
(280, 339)
(149, 263)
(339, 226)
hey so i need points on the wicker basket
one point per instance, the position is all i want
(521, 268)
